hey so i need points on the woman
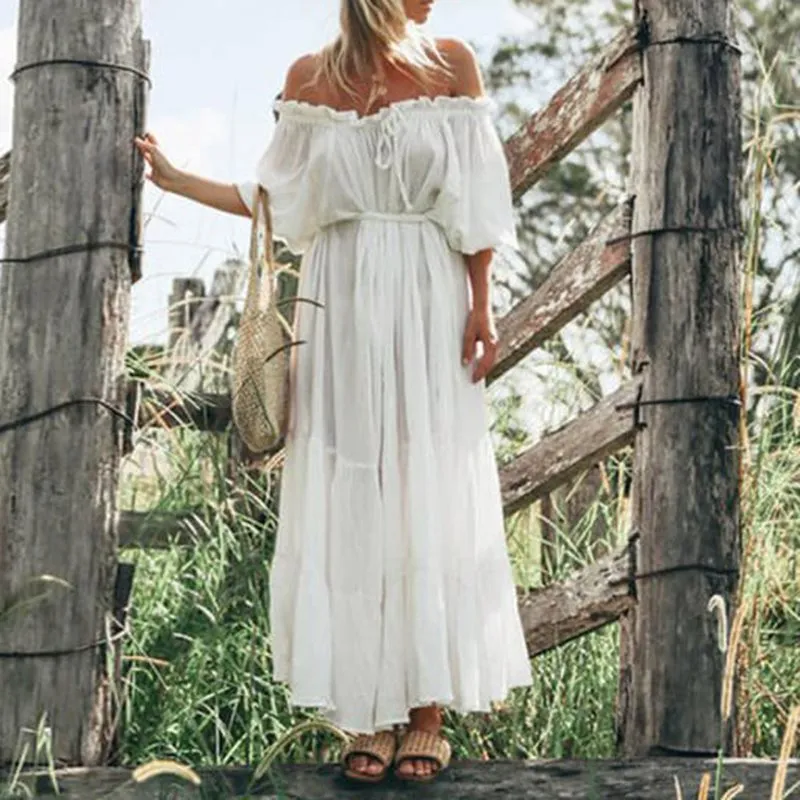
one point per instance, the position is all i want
(391, 593)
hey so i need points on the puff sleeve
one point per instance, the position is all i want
(480, 214)
(286, 171)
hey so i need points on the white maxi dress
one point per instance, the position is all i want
(391, 584)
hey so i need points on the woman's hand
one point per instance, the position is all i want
(162, 173)
(480, 328)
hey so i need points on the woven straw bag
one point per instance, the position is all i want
(261, 355)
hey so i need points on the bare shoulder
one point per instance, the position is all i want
(299, 83)
(463, 64)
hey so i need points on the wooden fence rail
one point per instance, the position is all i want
(588, 600)
(580, 278)
(559, 456)
(578, 109)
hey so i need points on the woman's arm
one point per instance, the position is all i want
(467, 81)
(480, 325)
(222, 196)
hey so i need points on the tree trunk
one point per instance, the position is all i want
(686, 174)
(76, 178)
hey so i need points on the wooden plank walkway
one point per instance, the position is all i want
(650, 779)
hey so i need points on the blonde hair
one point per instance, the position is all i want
(371, 29)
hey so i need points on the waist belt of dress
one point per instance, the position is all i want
(380, 216)
(386, 217)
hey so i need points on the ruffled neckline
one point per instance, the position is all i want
(324, 113)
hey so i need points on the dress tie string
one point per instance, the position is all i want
(388, 154)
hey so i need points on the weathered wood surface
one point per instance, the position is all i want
(63, 329)
(581, 106)
(687, 166)
(588, 600)
(563, 453)
(652, 779)
(579, 279)
(182, 305)
(5, 180)
(198, 351)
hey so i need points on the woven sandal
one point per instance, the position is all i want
(381, 746)
(422, 744)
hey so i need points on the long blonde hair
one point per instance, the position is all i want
(371, 29)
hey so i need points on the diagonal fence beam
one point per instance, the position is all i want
(580, 278)
(560, 455)
(589, 599)
(576, 110)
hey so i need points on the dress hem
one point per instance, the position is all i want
(328, 709)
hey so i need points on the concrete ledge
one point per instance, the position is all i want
(651, 779)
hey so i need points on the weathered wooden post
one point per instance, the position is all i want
(64, 315)
(183, 303)
(686, 229)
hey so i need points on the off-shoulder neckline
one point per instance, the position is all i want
(324, 113)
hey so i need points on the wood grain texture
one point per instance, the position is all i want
(559, 455)
(588, 600)
(199, 352)
(5, 180)
(63, 330)
(581, 106)
(580, 278)
(651, 779)
(185, 298)
(686, 173)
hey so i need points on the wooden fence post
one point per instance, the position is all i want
(64, 318)
(686, 229)
(186, 298)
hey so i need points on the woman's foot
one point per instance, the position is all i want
(429, 719)
(366, 764)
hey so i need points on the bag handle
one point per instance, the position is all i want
(263, 297)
